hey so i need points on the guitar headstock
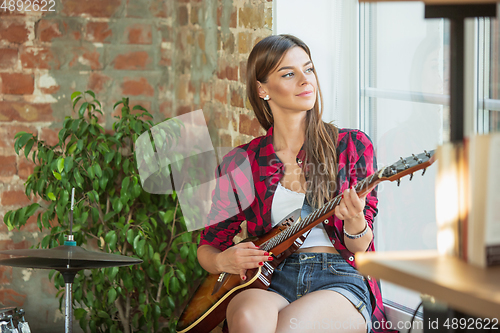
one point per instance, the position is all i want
(407, 166)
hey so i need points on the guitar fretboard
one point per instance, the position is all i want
(313, 218)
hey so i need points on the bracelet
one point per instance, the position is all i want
(358, 235)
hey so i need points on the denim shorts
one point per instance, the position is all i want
(302, 273)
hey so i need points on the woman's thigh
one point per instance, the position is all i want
(254, 310)
(321, 311)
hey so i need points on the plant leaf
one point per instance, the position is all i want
(60, 164)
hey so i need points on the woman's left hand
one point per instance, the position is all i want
(351, 206)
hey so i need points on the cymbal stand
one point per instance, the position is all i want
(69, 275)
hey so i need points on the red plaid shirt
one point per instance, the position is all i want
(356, 161)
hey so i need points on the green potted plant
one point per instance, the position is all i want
(112, 213)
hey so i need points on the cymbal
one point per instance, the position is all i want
(65, 257)
(7, 309)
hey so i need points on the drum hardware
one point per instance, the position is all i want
(68, 259)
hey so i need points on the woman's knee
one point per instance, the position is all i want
(246, 310)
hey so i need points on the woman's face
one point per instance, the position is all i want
(292, 86)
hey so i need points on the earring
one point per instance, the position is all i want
(266, 98)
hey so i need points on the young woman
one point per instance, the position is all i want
(302, 162)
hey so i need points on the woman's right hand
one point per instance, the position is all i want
(240, 257)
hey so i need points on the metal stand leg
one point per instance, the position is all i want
(69, 277)
(68, 314)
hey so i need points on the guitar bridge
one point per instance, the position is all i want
(221, 277)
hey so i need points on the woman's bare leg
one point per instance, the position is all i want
(254, 310)
(321, 311)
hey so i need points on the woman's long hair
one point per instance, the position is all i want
(321, 137)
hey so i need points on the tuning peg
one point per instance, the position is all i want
(399, 181)
(416, 158)
(424, 171)
(427, 154)
(404, 163)
(411, 176)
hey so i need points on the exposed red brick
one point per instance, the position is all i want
(6, 14)
(159, 8)
(194, 15)
(182, 109)
(8, 166)
(251, 16)
(84, 56)
(76, 35)
(221, 92)
(243, 71)
(31, 224)
(48, 30)
(132, 61)
(206, 91)
(9, 198)
(236, 98)
(25, 167)
(225, 140)
(250, 126)
(5, 275)
(8, 58)
(97, 81)
(9, 244)
(10, 297)
(220, 120)
(25, 112)
(227, 72)
(135, 87)
(92, 8)
(50, 136)
(17, 83)
(13, 31)
(40, 58)
(50, 90)
(244, 42)
(182, 15)
(166, 109)
(98, 32)
(9, 131)
(139, 34)
(232, 18)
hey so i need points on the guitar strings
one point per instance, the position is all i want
(295, 228)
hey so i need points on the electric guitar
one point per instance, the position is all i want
(207, 307)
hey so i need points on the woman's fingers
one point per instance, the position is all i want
(351, 205)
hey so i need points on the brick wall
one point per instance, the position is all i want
(171, 57)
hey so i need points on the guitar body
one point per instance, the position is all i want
(206, 310)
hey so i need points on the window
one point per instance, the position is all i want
(384, 69)
(404, 101)
(488, 113)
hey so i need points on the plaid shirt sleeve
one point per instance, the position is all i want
(365, 166)
(225, 215)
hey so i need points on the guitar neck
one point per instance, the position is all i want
(319, 215)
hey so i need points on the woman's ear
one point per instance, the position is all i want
(260, 90)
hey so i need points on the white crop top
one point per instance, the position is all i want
(286, 201)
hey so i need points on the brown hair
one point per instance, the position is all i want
(321, 137)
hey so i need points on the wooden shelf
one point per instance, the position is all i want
(470, 289)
